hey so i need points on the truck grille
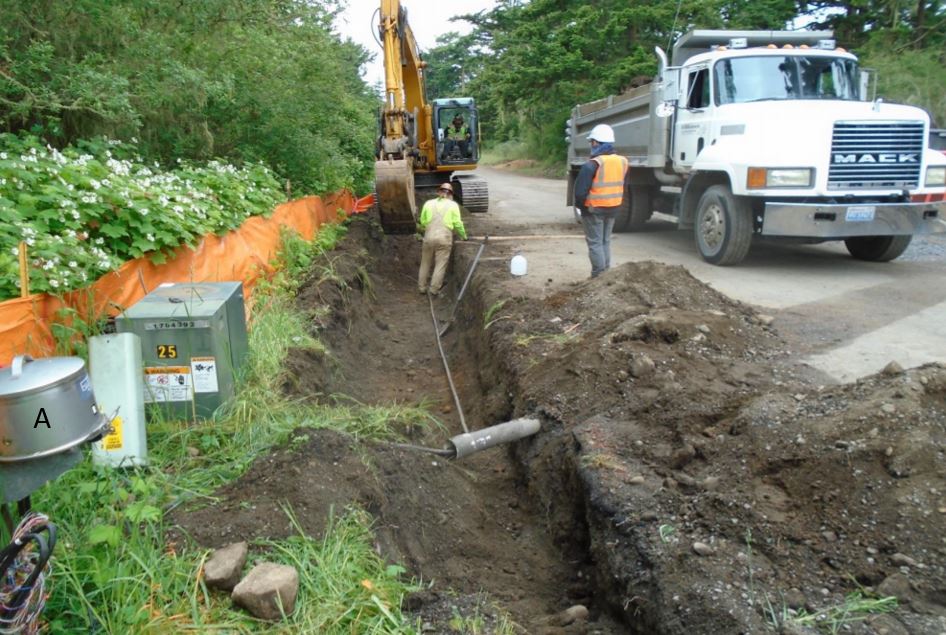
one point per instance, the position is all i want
(875, 155)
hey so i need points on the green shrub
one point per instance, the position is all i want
(84, 210)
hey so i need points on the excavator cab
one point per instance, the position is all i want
(457, 131)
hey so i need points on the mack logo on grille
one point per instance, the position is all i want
(877, 157)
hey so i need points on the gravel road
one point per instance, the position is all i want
(845, 318)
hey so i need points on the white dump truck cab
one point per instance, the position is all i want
(769, 133)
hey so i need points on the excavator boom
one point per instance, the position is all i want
(414, 147)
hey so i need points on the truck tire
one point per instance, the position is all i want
(636, 209)
(877, 248)
(722, 227)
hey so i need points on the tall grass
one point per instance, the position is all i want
(116, 568)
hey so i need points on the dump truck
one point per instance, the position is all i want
(414, 149)
(746, 134)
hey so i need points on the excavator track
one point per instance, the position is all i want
(472, 193)
(394, 185)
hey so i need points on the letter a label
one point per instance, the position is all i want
(42, 418)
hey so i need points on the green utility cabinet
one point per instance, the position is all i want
(193, 344)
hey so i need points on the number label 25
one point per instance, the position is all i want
(167, 351)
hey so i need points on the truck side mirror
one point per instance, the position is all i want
(671, 86)
(865, 92)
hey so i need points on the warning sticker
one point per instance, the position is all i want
(204, 372)
(113, 440)
(167, 383)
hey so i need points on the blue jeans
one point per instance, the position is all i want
(598, 228)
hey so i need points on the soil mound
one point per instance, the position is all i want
(721, 494)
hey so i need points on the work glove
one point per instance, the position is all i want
(578, 215)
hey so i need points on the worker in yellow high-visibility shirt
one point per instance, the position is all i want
(439, 220)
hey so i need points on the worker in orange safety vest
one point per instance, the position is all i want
(599, 193)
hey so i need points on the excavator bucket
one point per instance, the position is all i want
(394, 184)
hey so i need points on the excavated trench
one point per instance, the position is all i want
(473, 526)
(680, 480)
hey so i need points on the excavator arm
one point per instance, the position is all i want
(405, 144)
(408, 144)
(406, 112)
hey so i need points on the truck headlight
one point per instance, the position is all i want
(759, 178)
(936, 176)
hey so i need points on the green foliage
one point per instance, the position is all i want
(451, 65)
(909, 75)
(85, 210)
(241, 81)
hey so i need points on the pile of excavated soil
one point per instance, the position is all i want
(719, 492)
(684, 481)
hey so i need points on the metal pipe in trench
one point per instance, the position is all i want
(446, 366)
(469, 274)
(471, 442)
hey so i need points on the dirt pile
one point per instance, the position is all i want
(686, 479)
(719, 493)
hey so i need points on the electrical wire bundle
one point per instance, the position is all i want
(24, 564)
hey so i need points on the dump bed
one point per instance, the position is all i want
(638, 135)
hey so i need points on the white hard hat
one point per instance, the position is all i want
(602, 133)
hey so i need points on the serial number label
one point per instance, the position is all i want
(177, 324)
(167, 351)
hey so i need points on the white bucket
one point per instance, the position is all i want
(518, 266)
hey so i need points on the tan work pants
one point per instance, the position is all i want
(438, 255)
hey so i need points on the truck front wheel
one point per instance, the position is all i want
(877, 248)
(723, 227)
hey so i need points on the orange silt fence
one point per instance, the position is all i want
(243, 254)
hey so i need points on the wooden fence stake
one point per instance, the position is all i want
(24, 271)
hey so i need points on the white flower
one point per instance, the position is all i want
(3, 156)
(16, 251)
(144, 210)
(73, 264)
(95, 184)
(150, 237)
(54, 283)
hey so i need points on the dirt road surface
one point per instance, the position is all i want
(845, 318)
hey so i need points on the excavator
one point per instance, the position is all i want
(415, 148)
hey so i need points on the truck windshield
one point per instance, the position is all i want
(744, 79)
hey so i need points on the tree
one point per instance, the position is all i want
(237, 79)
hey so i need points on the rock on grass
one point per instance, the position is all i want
(266, 588)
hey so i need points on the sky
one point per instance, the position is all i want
(427, 18)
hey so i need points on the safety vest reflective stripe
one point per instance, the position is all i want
(607, 188)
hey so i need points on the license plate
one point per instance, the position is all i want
(860, 213)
